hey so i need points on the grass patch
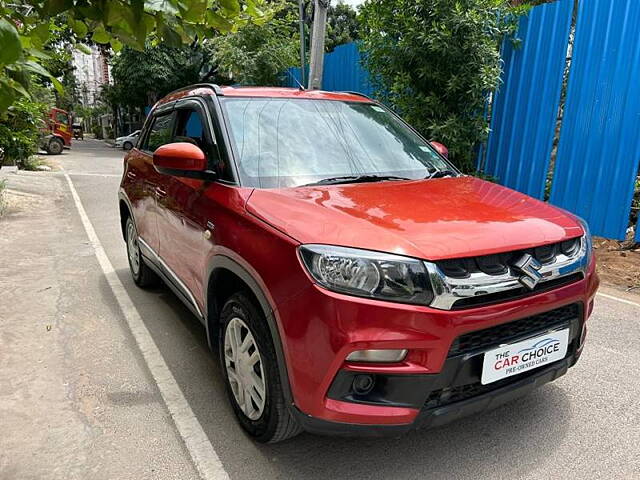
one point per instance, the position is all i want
(32, 163)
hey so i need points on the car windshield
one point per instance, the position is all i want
(282, 142)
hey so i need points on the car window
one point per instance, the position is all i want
(160, 132)
(190, 128)
(62, 118)
(291, 142)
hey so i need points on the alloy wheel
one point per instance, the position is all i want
(244, 368)
(132, 248)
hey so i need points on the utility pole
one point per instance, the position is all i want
(317, 43)
(302, 49)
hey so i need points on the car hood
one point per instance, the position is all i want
(431, 219)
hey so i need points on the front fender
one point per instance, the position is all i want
(255, 284)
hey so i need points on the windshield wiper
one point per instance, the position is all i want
(355, 179)
(442, 173)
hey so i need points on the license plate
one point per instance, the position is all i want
(515, 358)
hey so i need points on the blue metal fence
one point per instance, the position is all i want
(599, 146)
(342, 71)
(525, 106)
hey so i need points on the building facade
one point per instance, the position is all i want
(91, 71)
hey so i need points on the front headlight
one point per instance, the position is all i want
(588, 241)
(368, 274)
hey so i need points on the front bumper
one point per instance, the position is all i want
(431, 386)
(428, 418)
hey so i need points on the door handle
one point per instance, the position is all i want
(160, 192)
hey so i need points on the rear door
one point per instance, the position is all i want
(147, 180)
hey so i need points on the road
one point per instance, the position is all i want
(79, 400)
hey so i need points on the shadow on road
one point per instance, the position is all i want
(523, 433)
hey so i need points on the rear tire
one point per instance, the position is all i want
(142, 275)
(267, 418)
(55, 146)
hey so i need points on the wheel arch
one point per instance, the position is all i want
(226, 276)
(125, 212)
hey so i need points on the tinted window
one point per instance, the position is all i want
(160, 133)
(190, 129)
(290, 142)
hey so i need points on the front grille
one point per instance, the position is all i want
(500, 264)
(516, 293)
(448, 396)
(507, 332)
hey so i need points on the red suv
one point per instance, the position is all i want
(351, 279)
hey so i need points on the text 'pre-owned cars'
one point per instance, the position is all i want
(351, 279)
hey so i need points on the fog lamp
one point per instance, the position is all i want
(378, 356)
(363, 384)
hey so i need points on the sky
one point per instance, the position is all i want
(353, 3)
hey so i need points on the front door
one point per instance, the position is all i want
(183, 218)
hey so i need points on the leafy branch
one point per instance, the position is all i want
(25, 27)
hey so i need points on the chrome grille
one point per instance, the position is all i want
(499, 264)
(481, 280)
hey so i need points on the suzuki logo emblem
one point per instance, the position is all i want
(529, 267)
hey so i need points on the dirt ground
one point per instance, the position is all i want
(618, 265)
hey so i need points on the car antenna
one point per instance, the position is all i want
(300, 86)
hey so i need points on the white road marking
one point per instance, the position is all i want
(618, 299)
(85, 174)
(204, 456)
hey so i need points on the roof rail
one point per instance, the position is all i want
(357, 93)
(216, 88)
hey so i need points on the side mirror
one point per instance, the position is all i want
(181, 159)
(440, 148)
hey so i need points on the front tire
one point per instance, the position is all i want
(142, 275)
(55, 146)
(127, 146)
(251, 374)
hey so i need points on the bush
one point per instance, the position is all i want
(20, 130)
(97, 131)
(434, 61)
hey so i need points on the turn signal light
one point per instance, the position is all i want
(377, 356)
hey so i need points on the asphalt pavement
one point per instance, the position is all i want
(79, 400)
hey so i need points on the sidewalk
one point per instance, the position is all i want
(76, 401)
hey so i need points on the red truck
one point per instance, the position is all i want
(56, 132)
(349, 277)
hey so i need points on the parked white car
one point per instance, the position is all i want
(128, 142)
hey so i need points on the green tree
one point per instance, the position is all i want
(25, 27)
(435, 60)
(258, 54)
(20, 128)
(342, 26)
(141, 78)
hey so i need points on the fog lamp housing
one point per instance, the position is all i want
(377, 356)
